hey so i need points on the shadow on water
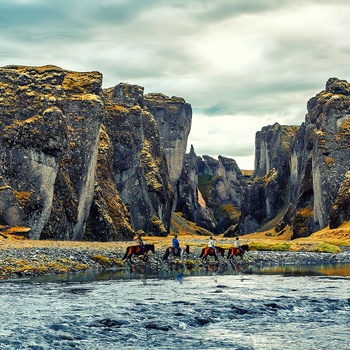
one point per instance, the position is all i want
(145, 271)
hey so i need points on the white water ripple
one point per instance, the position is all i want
(199, 312)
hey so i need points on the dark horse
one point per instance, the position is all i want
(238, 251)
(210, 252)
(175, 252)
(136, 250)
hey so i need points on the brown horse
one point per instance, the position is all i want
(238, 251)
(210, 252)
(137, 250)
(175, 252)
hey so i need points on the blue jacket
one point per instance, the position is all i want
(176, 243)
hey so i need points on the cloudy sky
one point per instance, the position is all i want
(241, 64)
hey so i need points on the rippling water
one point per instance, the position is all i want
(265, 309)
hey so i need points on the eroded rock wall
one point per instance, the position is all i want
(50, 121)
(174, 118)
(140, 167)
(301, 173)
(190, 200)
(78, 162)
(222, 186)
(325, 160)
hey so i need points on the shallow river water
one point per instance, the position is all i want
(267, 308)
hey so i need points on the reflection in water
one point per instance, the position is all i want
(145, 271)
(305, 270)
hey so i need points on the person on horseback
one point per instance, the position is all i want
(211, 245)
(238, 244)
(176, 244)
(139, 242)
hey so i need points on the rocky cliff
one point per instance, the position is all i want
(174, 118)
(268, 193)
(321, 158)
(301, 174)
(79, 162)
(212, 192)
(190, 201)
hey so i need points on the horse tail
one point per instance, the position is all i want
(201, 256)
(165, 257)
(229, 253)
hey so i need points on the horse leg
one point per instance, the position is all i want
(125, 255)
(165, 257)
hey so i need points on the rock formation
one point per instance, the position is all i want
(190, 201)
(78, 162)
(302, 173)
(174, 118)
(321, 156)
(212, 192)
(268, 193)
(50, 133)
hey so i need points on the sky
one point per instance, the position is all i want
(241, 64)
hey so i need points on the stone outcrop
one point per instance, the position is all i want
(321, 154)
(190, 201)
(81, 163)
(214, 192)
(268, 193)
(50, 132)
(174, 118)
(302, 173)
(139, 164)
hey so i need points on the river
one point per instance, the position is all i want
(295, 307)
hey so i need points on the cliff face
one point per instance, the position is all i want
(49, 140)
(301, 174)
(174, 118)
(268, 193)
(140, 167)
(322, 156)
(221, 186)
(81, 163)
(78, 162)
(190, 201)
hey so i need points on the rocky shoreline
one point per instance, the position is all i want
(50, 258)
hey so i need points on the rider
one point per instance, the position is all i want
(211, 245)
(140, 243)
(237, 244)
(176, 244)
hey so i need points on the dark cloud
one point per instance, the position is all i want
(241, 64)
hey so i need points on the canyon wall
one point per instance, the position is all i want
(82, 163)
(301, 175)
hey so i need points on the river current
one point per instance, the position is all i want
(275, 308)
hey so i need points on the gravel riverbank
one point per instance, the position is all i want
(21, 258)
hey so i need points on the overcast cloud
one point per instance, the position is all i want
(241, 64)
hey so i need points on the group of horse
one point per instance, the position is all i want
(175, 252)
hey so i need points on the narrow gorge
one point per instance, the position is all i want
(80, 162)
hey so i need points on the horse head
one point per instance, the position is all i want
(245, 247)
(149, 247)
(220, 250)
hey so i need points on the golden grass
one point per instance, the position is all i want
(271, 240)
